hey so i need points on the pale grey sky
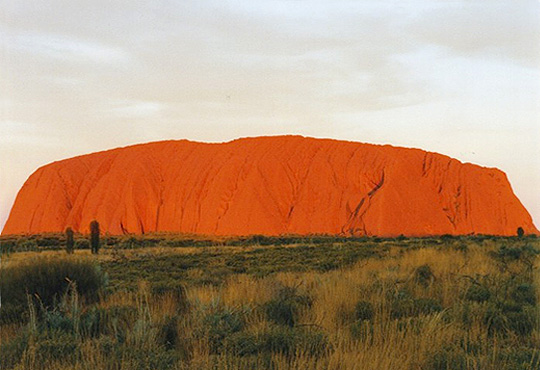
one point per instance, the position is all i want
(457, 77)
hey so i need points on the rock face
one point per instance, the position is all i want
(269, 185)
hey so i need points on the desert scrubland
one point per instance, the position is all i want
(168, 302)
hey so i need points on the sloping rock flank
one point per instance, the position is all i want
(271, 186)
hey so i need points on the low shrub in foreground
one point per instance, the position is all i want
(285, 307)
(279, 339)
(45, 281)
(220, 323)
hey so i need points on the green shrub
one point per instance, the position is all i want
(364, 311)
(56, 320)
(510, 316)
(426, 306)
(477, 293)
(26, 245)
(7, 246)
(423, 275)
(313, 341)
(281, 312)
(522, 323)
(447, 359)
(237, 263)
(176, 290)
(244, 344)
(524, 294)
(46, 280)
(495, 320)
(219, 324)
(327, 265)
(115, 321)
(411, 307)
(57, 345)
(524, 255)
(47, 345)
(278, 339)
(362, 330)
(285, 308)
(82, 244)
(11, 351)
(168, 332)
(130, 242)
(460, 247)
(520, 358)
(147, 358)
(49, 241)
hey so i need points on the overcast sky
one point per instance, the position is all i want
(460, 78)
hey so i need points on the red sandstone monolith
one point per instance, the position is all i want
(271, 186)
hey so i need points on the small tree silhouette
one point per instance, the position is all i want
(520, 232)
(70, 242)
(94, 237)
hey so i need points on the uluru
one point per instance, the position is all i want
(271, 186)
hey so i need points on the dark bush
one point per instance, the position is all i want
(49, 241)
(524, 294)
(82, 244)
(313, 341)
(154, 358)
(57, 345)
(57, 320)
(411, 307)
(364, 311)
(447, 360)
(45, 280)
(285, 308)
(495, 320)
(362, 330)
(115, 321)
(278, 339)
(327, 265)
(176, 290)
(237, 263)
(522, 323)
(244, 344)
(426, 306)
(221, 323)
(168, 332)
(7, 246)
(26, 245)
(281, 312)
(12, 351)
(47, 345)
(477, 293)
(423, 275)
(130, 242)
(460, 247)
(510, 316)
(525, 255)
(520, 358)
